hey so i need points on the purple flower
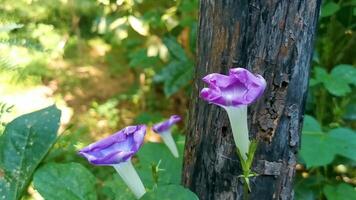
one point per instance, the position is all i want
(116, 148)
(240, 87)
(166, 125)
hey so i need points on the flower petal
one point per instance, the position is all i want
(213, 96)
(166, 125)
(218, 80)
(241, 87)
(116, 148)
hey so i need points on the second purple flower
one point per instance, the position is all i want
(164, 130)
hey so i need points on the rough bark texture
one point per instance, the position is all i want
(273, 38)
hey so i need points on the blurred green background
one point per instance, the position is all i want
(111, 63)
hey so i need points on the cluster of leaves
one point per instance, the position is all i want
(35, 134)
(156, 40)
(151, 39)
(328, 142)
(155, 36)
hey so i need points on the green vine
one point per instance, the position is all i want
(247, 167)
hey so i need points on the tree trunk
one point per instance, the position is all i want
(269, 37)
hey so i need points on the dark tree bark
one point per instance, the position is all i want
(273, 38)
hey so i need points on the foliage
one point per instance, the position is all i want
(320, 149)
(115, 63)
(25, 142)
(167, 192)
(328, 140)
(65, 181)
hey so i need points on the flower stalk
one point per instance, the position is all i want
(239, 126)
(169, 141)
(130, 177)
(164, 130)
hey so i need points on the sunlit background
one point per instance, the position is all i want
(108, 64)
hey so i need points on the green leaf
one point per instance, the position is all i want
(321, 149)
(337, 82)
(65, 181)
(311, 125)
(175, 49)
(179, 78)
(115, 188)
(341, 191)
(337, 86)
(175, 75)
(345, 72)
(169, 168)
(316, 150)
(344, 140)
(139, 59)
(320, 76)
(25, 142)
(329, 9)
(170, 192)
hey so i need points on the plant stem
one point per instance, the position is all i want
(131, 178)
(320, 107)
(245, 192)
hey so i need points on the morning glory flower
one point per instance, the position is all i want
(164, 130)
(117, 151)
(234, 92)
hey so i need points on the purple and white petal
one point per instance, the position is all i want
(166, 125)
(116, 148)
(240, 87)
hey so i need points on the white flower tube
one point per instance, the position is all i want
(164, 130)
(169, 141)
(238, 121)
(131, 178)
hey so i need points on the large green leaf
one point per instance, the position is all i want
(65, 181)
(344, 140)
(341, 191)
(311, 125)
(337, 86)
(25, 142)
(157, 156)
(345, 72)
(170, 192)
(319, 149)
(316, 150)
(115, 188)
(338, 81)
